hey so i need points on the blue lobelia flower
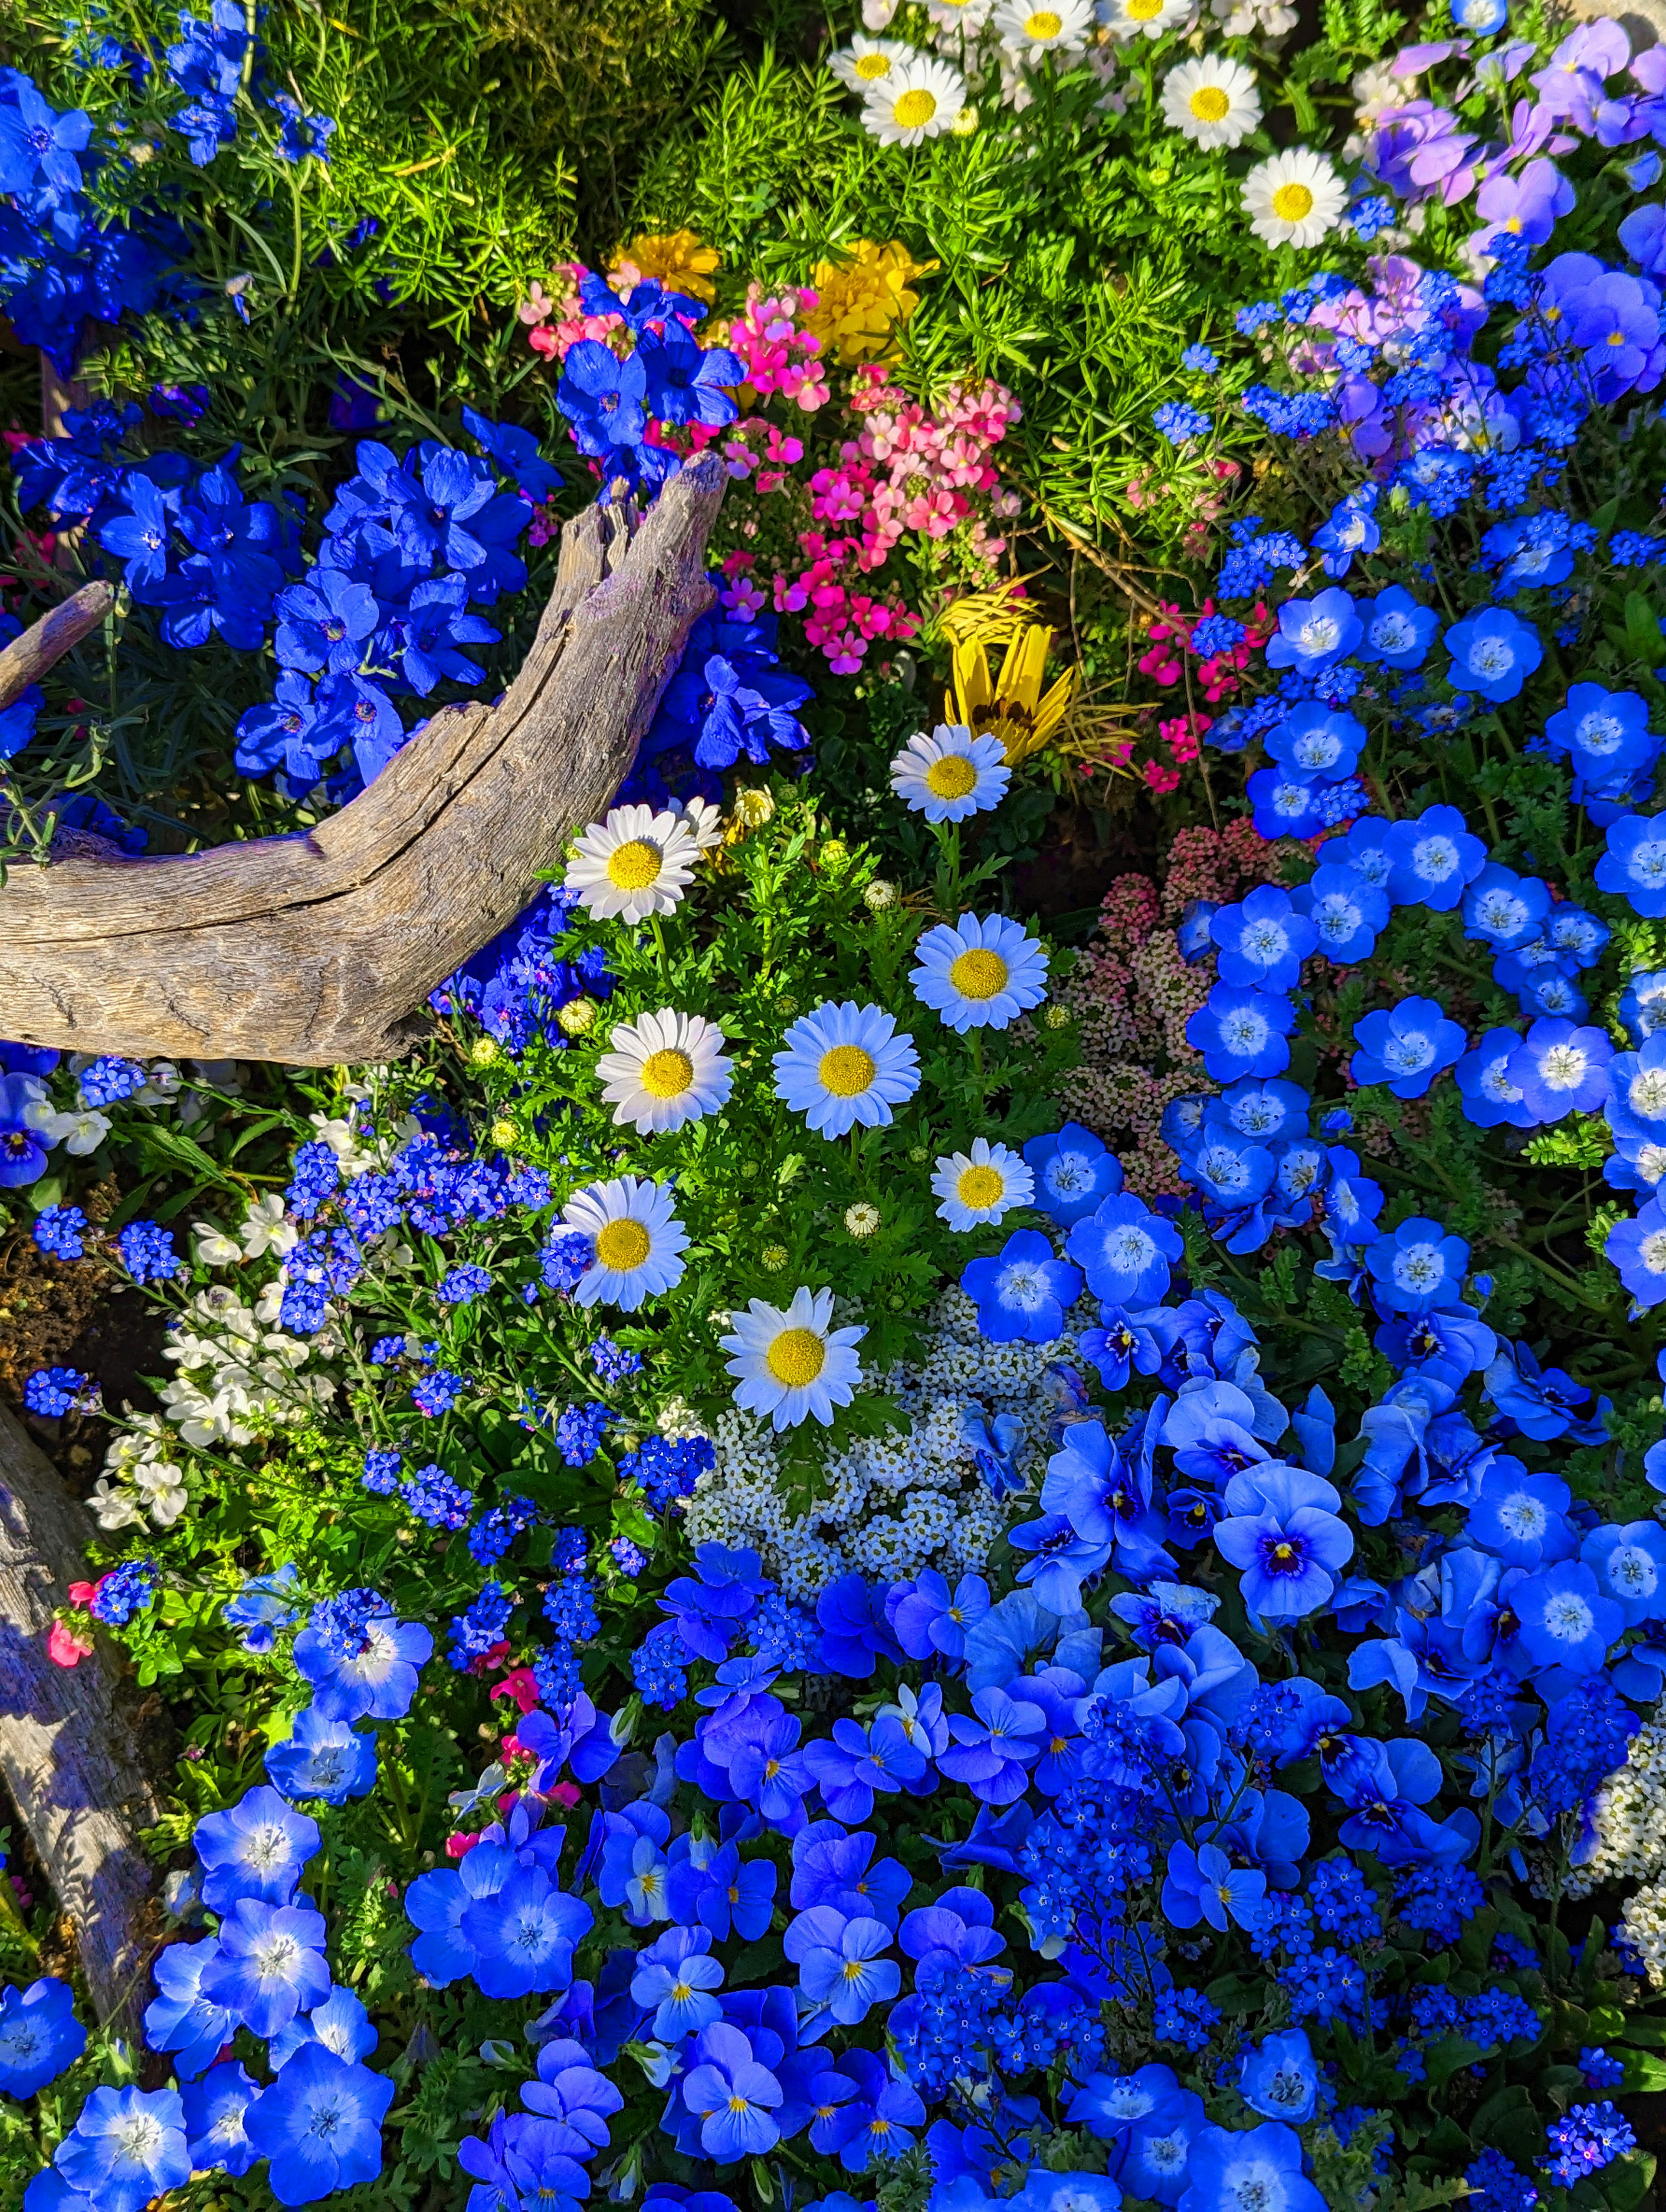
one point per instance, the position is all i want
(319, 2124)
(1125, 1250)
(256, 1848)
(127, 2147)
(324, 1759)
(40, 2035)
(214, 2109)
(1493, 653)
(1025, 1293)
(1284, 1533)
(271, 1964)
(733, 2095)
(1406, 1046)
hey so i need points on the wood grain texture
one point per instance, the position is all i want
(28, 657)
(316, 949)
(67, 1736)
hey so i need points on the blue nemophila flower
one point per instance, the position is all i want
(1231, 1169)
(271, 1964)
(340, 2023)
(1204, 1884)
(1262, 941)
(361, 1660)
(733, 2095)
(1490, 1094)
(1603, 733)
(1262, 2166)
(319, 2124)
(1417, 1267)
(1125, 1250)
(1560, 1069)
(127, 2147)
(1566, 1622)
(1633, 867)
(180, 2018)
(257, 1848)
(1023, 1293)
(324, 1759)
(1286, 803)
(1503, 910)
(1520, 1518)
(1074, 1172)
(1629, 1563)
(1432, 860)
(1347, 911)
(215, 2108)
(1398, 629)
(1283, 1533)
(676, 1975)
(1493, 653)
(1313, 632)
(1281, 2077)
(1242, 1033)
(40, 2035)
(523, 1934)
(1406, 1046)
(1318, 743)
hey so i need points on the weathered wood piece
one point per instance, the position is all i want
(67, 1735)
(27, 658)
(315, 949)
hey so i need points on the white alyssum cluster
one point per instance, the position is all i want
(895, 1504)
(1625, 1835)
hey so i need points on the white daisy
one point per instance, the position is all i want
(966, 16)
(792, 1365)
(665, 1069)
(919, 99)
(950, 773)
(1033, 29)
(1293, 198)
(845, 1064)
(979, 975)
(981, 1185)
(867, 62)
(1212, 101)
(638, 1241)
(1133, 18)
(635, 864)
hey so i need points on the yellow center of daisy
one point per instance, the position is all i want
(951, 777)
(796, 1357)
(846, 1070)
(622, 1245)
(1209, 103)
(634, 866)
(1141, 11)
(980, 1187)
(979, 975)
(667, 1074)
(1043, 24)
(1292, 203)
(916, 109)
(872, 67)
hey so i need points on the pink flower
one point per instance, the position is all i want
(64, 1647)
(1161, 780)
(519, 1685)
(458, 1845)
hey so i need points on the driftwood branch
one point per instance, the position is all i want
(315, 949)
(27, 658)
(67, 1735)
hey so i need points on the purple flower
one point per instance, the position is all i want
(992, 1751)
(841, 1962)
(1284, 1533)
(733, 2095)
(926, 1618)
(1203, 1885)
(851, 1613)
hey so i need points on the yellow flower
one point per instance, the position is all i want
(681, 259)
(863, 296)
(1010, 706)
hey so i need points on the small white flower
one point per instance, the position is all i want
(213, 1248)
(950, 773)
(163, 1486)
(114, 1508)
(1034, 28)
(665, 1069)
(79, 1133)
(845, 1064)
(862, 1220)
(867, 62)
(1135, 19)
(1212, 101)
(980, 1187)
(637, 1239)
(1293, 198)
(703, 822)
(342, 1135)
(918, 99)
(265, 1229)
(635, 863)
(793, 1366)
(270, 1304)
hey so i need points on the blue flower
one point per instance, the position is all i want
(322, 624)
(1406, 1046)
(733, 2095)
(140, 538)
(214, 2109)
(516, 453)
(1317, 744)
(180, 2018)
(1503, 910)
(257, 1849)
(1286, 803)
(340, 2023)
(1560, 1069)
(676, 1976)
(1262, 941)
(602, 397)
(992, 1750)
(127, 2147)
(1605, 734)
(926, 1618)
(324, 1759)
(687, 382)
(523, 1934)
(842, 1964)
(1241, 1032)
(1347, 913)
(259, 1610)
(1633, 867)
(877, 2122)
(1493, 653)
(1074, 1172)
(722, 1891)
(1398, 629)
(271, 1964)
(1283, 1531)
(1231, 2167)
(1023, 1293)
(37, 143)
(1125, 1249)
(1417, 1267)
(40, 2035)
(319, 2124)
(1313, 632)
(22, 1155)
(1432, 860)
(373, 1674)
(1565, 1621)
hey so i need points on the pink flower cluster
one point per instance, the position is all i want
(779, 356)
(556, 326)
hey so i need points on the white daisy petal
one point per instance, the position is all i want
(845, 1064)
(793, 1366)
(979, 975)
(867, 62)
(665, 1069)
(1294, 198)
(1137, 19)
(950, 773)
(1033, 28)
(637, 1239)
(918, 99)
(981, 1186)
(1213, 101)
(635, 864)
